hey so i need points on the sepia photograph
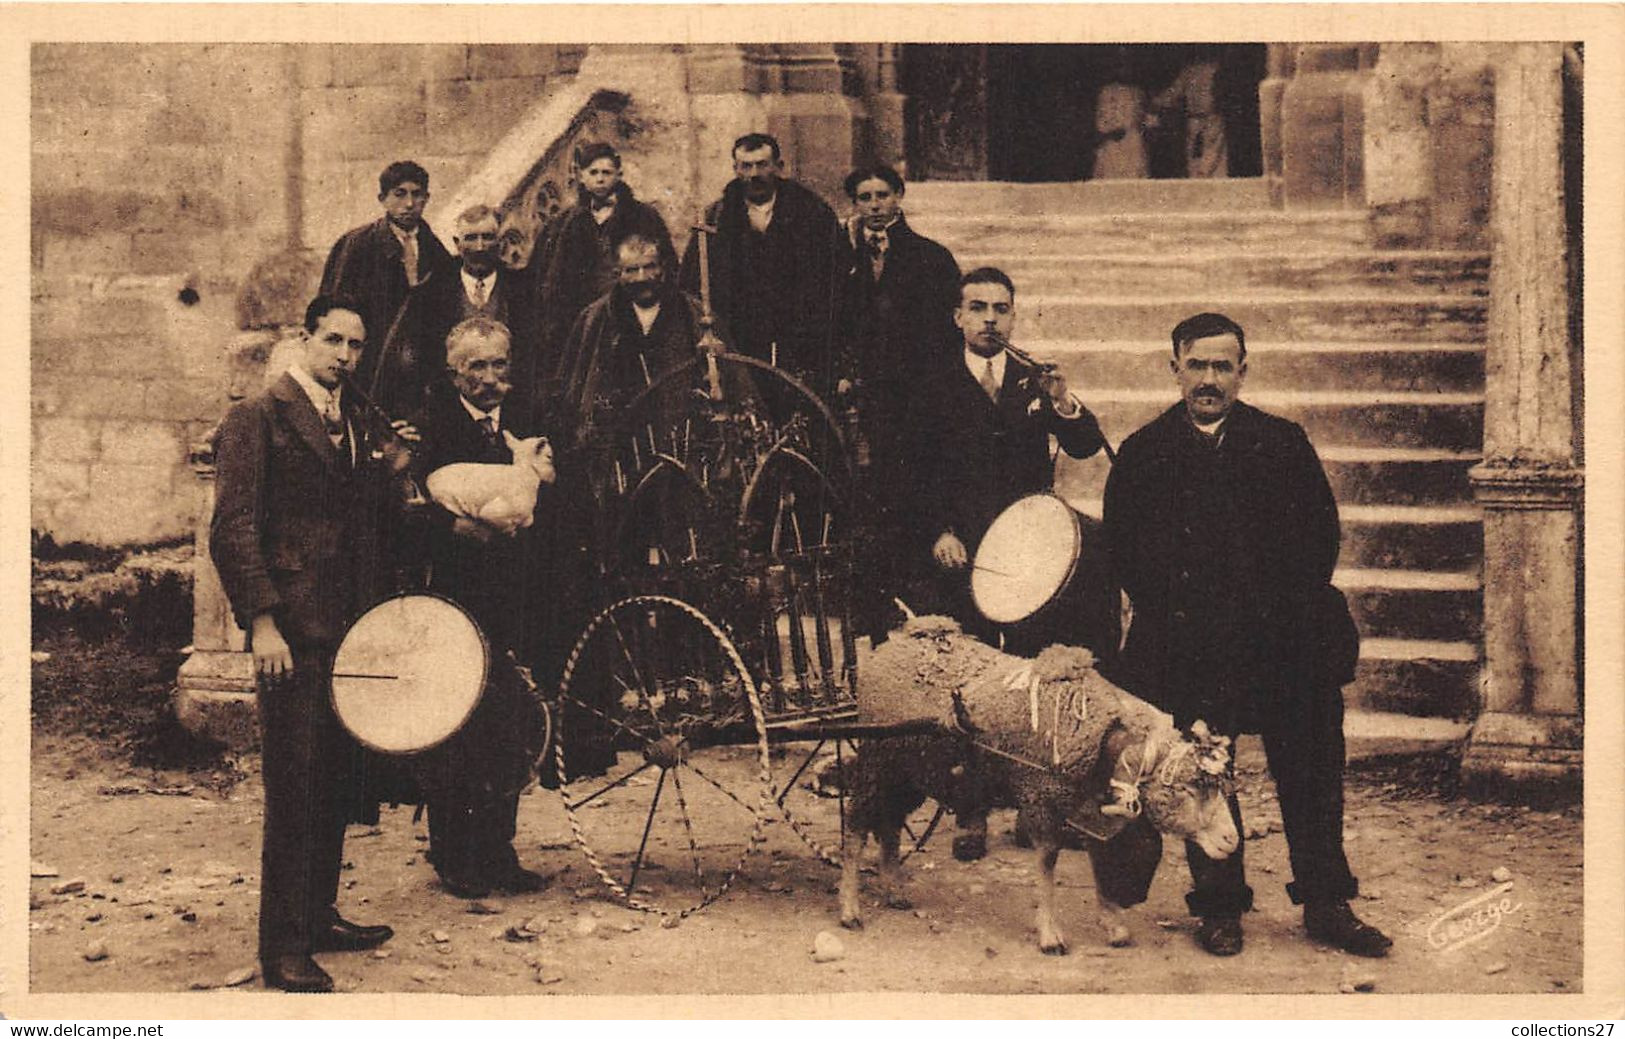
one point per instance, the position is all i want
(650, 505)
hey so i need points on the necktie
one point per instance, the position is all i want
(409, 258)
(482, 292)
(877, 251)
(489, 426)
(338, 431)
(990, 384)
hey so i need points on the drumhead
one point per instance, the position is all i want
(409, 673)
(1026, 558)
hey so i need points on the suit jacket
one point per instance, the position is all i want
(365, 267)
(514, 587)
(1227, 555)
(579, 264)
(892, 329)
(978, 457)
(776, 287)
(512, 302)
(296, 529)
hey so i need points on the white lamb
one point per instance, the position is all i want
(500, 496)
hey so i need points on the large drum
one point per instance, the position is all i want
(409, 673)
(1042, 575)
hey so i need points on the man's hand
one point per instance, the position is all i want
(950, 551)
(463, 526)
(273, 660)
(397, 449)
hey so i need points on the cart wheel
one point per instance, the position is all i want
(665, 699)
(809, 788)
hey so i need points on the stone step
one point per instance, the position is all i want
(1276, 316)
(1408, 537)
(1098, 196)
(1359, 475)
(1452, 421)
(1099, 366)
(971, 229)
(1040, 269)
(1417, 677)
(1383, 734)
(1375, 537)
(1415, 604)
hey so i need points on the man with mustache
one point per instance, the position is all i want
(1224, 533)
(773, 264)
(301, 498)
(478, 285)
(519, 588)
(384, 268)
(577, 264)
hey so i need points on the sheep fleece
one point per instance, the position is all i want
(1054, 710)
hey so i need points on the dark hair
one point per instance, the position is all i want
(592, 151)
(752, 141)
(988, 276)
(401, 172)
(1202, 326)
(321, 306)
(879, 171)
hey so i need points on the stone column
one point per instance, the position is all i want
(1321, 129)
(1530, 481)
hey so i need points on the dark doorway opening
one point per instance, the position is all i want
(1068, 112)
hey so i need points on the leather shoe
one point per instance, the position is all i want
(464, 887)
(1220, 935)
(343, 936)
(295, 974)
(1334, 923)
(970, 846)
(517, 880)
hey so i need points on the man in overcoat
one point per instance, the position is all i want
(522, 588)
(1224, 533)
(898, 293)
(479, 285)
(385, 269)
(775, 261)
(579, 264)
(299, 509)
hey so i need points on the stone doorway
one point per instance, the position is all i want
(1070, 112)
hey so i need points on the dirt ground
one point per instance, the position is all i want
(157, 878)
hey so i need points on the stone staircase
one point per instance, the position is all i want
(1378, 354)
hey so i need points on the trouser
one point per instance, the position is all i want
(471, 782)
(1303, 744)
(311, 787)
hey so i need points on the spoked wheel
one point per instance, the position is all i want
(810, 788)
(666, 700)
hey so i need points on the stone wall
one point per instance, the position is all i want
(163, 174)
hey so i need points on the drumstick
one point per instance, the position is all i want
(990, 570)
(358, 674)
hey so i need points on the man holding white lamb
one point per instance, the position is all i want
(497, 541)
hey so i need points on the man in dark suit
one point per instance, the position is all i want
(897, 300)
(774, 260)
(478, 285)
(1223, 531)
(515, 585)
(385, 267)
(298, 510)
(579, 264)
(986, 419)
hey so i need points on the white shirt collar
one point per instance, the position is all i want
(1210, 428)
(318, 394)
(761, 213)
(400, 235)
(977, 364)
(477, 415)
(470, 282)
(647, 316)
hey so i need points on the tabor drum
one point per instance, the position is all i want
(1041, 574)
(409, 673)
